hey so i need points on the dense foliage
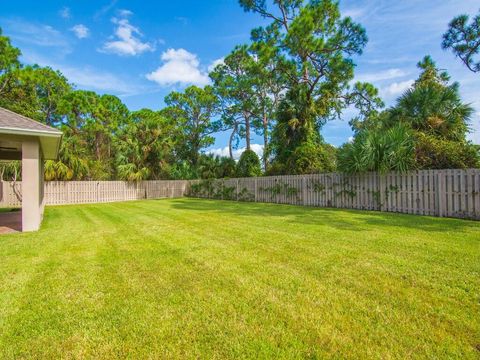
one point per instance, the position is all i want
(426, 129)
(313, 47)
(295, 75)
(249, 164)
(464, 40)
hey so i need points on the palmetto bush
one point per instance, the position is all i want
(434, 110)
(372, 150)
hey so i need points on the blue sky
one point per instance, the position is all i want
(141, 50)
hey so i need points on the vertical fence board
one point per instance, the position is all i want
(452, 193)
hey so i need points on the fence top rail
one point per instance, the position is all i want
(450, 192)
(368, 173)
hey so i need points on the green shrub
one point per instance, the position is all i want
(378, 150)
(311, 158)
(435, 153)
(249, 164)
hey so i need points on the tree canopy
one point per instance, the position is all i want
(426, 129)
(312, 45)
(293, 76)
(464, 40)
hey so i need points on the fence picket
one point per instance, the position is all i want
(453, 193)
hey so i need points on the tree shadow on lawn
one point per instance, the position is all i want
(343, 219)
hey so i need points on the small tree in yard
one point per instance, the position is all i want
(249, 164)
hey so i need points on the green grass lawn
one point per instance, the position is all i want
(206, 279)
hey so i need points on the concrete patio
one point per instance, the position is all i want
(10, 222)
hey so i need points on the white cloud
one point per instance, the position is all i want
(354, 13)
(105, 9)
(80, 31)
(179, 67)
(215, 63)
(257, 148)
(128, 42)
(397, 88)
(65, 13)
(381, 75)
(86, 77)
(181, 19)
(124, 13)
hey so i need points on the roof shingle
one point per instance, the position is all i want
(11, 120)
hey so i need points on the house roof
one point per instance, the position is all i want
(13, 124)
(11, 120)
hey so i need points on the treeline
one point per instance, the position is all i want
(293, 77)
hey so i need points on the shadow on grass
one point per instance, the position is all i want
(344, 219)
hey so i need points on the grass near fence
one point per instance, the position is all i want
(207, 279)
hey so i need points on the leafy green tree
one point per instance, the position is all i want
(109, 117)
(249, 88)
(77, 109)
(216, 167)
(73, 162)
(227, 167)
(313, 47)
(145, 147)
(92, 123)
(234, 84)
(36, 92)
(74, 111)
(464, 40)
(433, 106)
(249, 164)
(192, 111)
(8, 60)
(208, 166)
(426, 129)
(50, 86)
(269, 86)
(432, 152)
(310, 158)
(182, 170)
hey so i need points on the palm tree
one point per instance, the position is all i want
(381, 151)
(433, 110)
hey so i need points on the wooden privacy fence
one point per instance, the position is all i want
(82, 192)
(450, 193)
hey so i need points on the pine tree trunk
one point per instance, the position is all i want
(98, 144)
(247, 131)
(265, 141)
(230, 141)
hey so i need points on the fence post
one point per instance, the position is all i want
(441, 193)
(255, 189)
(382, 191)
(236, 189)
(304, 190)
(67, 194)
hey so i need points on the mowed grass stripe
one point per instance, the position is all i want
(216, 279)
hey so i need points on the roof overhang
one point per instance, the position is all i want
(49, 140)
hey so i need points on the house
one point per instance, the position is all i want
(31, 142)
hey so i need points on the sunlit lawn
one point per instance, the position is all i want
(210, 279)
